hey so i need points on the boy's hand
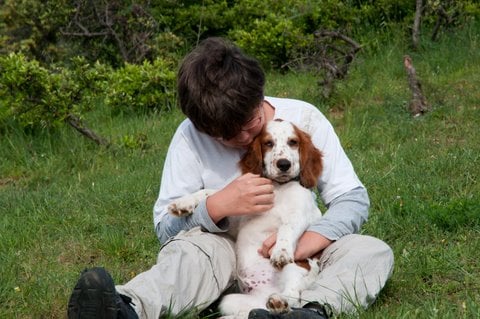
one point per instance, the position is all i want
(248, 194)
(309, 244)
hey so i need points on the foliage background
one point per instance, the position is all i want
(114, 32)
(57, 57)
(67, 204)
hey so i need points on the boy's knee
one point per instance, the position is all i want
(366, 247)
(378, 247)
(209, 243)
(375, 251)
(200, 254)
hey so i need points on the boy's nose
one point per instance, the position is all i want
(242, 137)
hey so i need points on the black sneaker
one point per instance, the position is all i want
(316, 312)
(94, 296)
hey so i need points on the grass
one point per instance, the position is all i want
(66, 204)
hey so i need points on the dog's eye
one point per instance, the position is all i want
(268, 143)
(292, 142)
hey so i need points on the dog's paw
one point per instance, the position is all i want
(281, 257)
(183, 206)
(314, 264)
(277, 304)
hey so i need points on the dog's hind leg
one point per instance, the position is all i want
(294, 280)
(238, 306)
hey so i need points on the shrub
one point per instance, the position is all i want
(149, 86)
(274, 31)
(33, 96)
(28, 92)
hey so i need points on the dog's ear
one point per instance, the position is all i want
(252, 161)
(310, 160)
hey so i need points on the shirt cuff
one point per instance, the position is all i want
(206, 222)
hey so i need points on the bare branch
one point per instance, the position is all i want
(333, 34)
(86, 34)
(130, 30)
(78, 124)
(443, 18)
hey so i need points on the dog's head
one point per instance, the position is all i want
(282, 152)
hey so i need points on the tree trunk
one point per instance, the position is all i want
(416, 25)
(418, 104)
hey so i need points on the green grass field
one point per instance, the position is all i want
(67, 204)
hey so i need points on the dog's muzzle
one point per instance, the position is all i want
(283, 164)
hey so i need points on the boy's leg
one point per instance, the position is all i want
(353, 270)
(192, 270)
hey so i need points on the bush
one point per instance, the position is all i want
(139, 88)
(269, 29)
(273, 30)
(28, 92)
(34, 28)
(35, 96)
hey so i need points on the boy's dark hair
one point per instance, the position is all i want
(219, 87)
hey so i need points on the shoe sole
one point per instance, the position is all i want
(93, 296)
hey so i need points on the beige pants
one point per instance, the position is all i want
(195, 267)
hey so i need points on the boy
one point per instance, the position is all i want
(221, 91)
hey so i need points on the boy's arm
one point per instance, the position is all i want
(344, 215)
(181, 175)
(340, 188)
(171, 225)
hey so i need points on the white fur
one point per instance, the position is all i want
(281, 143)
(275, 283)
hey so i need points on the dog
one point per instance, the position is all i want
(286, 155)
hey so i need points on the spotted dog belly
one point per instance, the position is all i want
(255, 272)
(260, 276)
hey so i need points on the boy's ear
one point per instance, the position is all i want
(252, 161)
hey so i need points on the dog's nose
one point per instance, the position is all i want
(283, 164)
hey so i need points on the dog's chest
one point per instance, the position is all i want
(288, 198)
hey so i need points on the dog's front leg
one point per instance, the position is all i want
(287, 236)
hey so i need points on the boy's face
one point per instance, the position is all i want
(249, 131)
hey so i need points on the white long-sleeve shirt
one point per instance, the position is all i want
(196, 161)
